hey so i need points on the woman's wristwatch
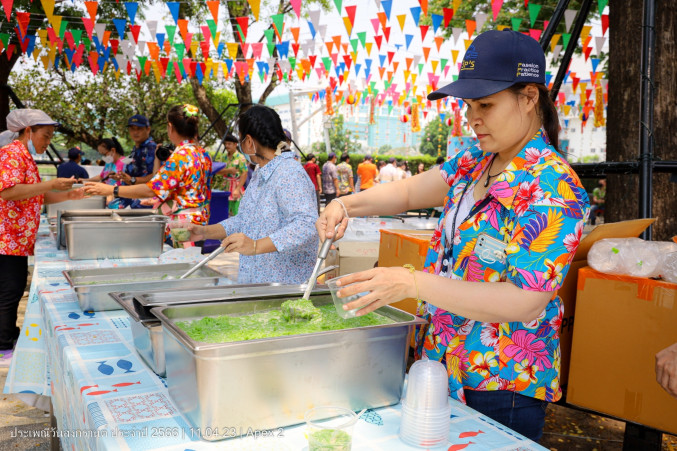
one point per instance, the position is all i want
(116, 193)
(133, 180)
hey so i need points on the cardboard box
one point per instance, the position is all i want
(621, 323)
(399, 247)
(355, 256)
(623, 229)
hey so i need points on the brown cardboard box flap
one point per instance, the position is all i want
(623, 229)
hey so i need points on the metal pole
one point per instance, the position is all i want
(646, 115)
(553, 24)
(292, 113)
(573, 42)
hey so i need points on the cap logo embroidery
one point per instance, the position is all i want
(527, 70)
(469, 58)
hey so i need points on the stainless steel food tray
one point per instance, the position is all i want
(269, 383)
(93, 216)
(93, 285)
(88, 203)
(147, 329)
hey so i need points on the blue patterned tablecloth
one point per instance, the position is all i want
(105, 397)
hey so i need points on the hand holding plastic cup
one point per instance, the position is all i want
(330, 428)
(340, 301)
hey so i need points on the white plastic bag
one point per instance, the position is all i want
(187, 255)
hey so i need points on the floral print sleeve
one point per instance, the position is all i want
(550, 218)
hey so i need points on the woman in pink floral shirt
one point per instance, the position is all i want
(181, 185)
(22, 194)
(513, 216)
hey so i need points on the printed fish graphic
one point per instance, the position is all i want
(86, 387)
(470, 434)
(105, 369)
(461, 446)
(126, 384)
(101, 392)
(73, 315)
(125, 365)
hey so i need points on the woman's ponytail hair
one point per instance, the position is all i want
(112, 143)
(264, 125)
(185, 120)
(546, 110)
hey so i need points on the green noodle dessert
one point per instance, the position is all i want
(274, 323)
(329, 440)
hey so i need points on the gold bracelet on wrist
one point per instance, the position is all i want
(254, 247)
(412, 270)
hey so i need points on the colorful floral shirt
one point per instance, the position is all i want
(112, 168)
(345, 173)
(530, 224)
(280, 204)
(183, 182)
(224, 182)
(143, 157)
(19, 219)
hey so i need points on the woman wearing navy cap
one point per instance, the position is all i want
(513, 215)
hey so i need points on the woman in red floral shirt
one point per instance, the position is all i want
(181, 186)
(22, 194)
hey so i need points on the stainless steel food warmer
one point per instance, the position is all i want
(147, 329)
(93, 285)
(270, 383)
(99, 234)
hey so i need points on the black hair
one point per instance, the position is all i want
(263, 124)
(439, 160)
(345, 157)
(231, 138)
(546, 111)
(112, 143)
(185, 124)
(310, 156)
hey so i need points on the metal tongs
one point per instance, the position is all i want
(321, 256)
(204, 261)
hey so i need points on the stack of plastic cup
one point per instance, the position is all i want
(425, 408)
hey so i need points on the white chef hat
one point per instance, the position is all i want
(19, 119)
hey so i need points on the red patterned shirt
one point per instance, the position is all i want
(19, 219)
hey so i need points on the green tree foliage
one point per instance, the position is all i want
(340, 139)
(434, 138)
(93, 107)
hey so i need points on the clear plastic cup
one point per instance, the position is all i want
(338, 301)
(330, 428)
(427, 386)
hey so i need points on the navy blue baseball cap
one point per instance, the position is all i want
(495, 61)
(138, 120)
(73, 152)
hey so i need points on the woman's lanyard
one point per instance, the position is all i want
(476, 209)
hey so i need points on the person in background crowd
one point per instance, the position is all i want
(513, 217)
(182, 184)
(389, 172)
(420, 169)
(330, 185)
(22, 194)
(273, 232)
(598, 197)
(405, 166)
(86, 162)
(112, 156)
(367, 172)
(666, 369)
(233, 176)
(313, 171)
(72, 168)
(440, 161)
(380, 165)
(345, 176)
(142, 168)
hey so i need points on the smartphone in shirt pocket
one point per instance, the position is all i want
(491, 253)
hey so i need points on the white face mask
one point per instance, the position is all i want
(31, 147)
(108, 159)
